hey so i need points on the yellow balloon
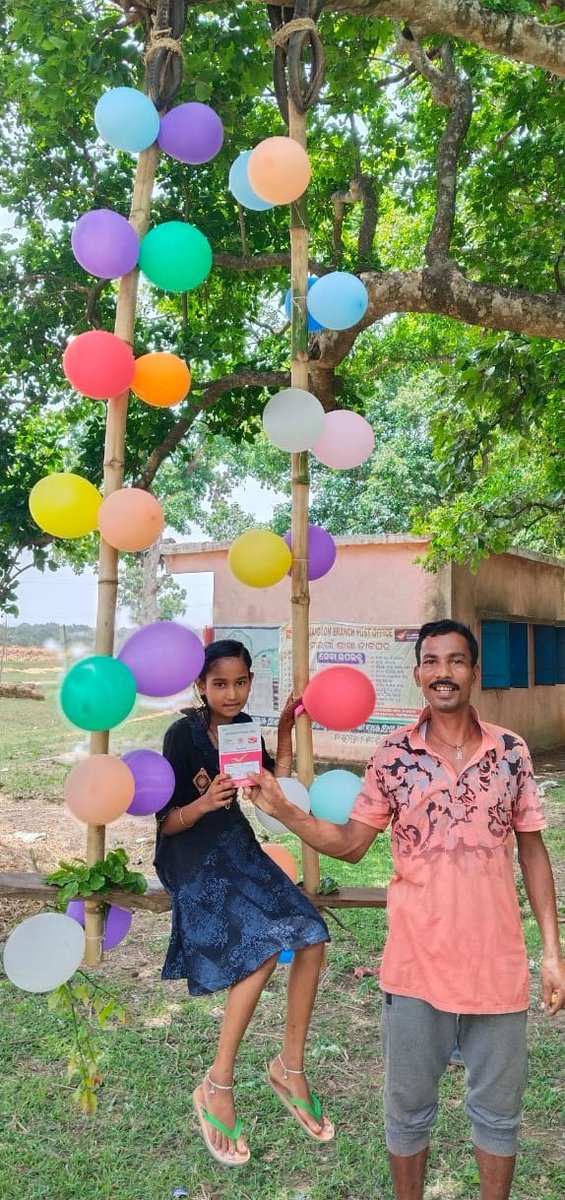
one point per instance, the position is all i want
(65, 505)
(260, 558)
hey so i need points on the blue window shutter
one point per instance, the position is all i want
(495, 654)
(518, 641)
(560, 637)
(545, 654)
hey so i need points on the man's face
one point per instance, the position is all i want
(445, 674)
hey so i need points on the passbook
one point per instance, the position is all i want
(240, 750)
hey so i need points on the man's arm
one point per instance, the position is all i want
(538, 879)
(350, 841)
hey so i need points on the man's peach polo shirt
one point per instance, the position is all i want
(455, 935)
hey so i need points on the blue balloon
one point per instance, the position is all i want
(333, 795)
(240, 186)
(338, 300)
(313, 326)
(127, 119)
(286, 956)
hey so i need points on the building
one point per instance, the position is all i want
(367, 610)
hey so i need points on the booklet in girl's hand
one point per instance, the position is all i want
(240, 750)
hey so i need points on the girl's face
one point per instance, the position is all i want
(226, 688)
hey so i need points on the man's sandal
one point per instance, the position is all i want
(295, 1104)
(228, 1158)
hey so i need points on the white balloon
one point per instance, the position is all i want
(294, 791)
(43, 952)
(294, 419)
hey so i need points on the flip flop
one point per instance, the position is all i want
(225, 1159)
(295, 1103)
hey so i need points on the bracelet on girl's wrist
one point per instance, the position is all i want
(181, 819)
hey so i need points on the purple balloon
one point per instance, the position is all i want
(164, 657)
(105, 244)
(321, 551)
(193, 133)
(154, 781)
(117, 922)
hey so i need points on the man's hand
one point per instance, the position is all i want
(266, 794)
(553, 984)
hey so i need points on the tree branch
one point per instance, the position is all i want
(210, 393)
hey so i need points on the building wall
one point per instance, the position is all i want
(506, 587)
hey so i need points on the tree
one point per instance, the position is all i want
(436, 156)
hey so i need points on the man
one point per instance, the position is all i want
(454, 969)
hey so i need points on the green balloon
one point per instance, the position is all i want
(98, 692)
(175, 256)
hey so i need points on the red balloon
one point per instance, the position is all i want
(99, 364)
(340, 698)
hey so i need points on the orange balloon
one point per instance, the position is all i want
(161, 379)
(279, 170)
(99, 789)
(131, 519)
(283, 858)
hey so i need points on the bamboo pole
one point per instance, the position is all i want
(300, 603)
(114, 455)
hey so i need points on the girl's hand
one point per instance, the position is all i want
(287, 717)
(266, 794)
(220, 793)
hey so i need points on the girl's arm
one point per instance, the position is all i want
(218, 795)
(283, 763)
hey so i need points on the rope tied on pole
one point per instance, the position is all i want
(164, 59)
(294, 31)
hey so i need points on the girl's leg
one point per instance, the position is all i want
(288, 1074)
(241, 1004)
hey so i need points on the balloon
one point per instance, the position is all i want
(283, 858)
(98, 692)
(192, 133)
(340, 698)
(240, 186)
(313, 326)
(293, 419)
(294, 791)
(165, 657)
(127, 119)
(43, 952)
(161, 379)
(99, 364)
(333, 795)
(279, 170)
(259, 558)
(117, 922)
(99, 789)
(322, 550)
(338, 300)
(105, 244)
(347, 440)
(286, 956)
(175, 256)
(154, 781)
(65, 505)
(131, 519)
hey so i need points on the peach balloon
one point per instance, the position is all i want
(131, 519)
(161, 379)
(99, 789)
(283, 858)
(279, 170)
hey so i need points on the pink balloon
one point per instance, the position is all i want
(347, 440)
(340, 698)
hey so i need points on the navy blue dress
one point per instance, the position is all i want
(233, 907)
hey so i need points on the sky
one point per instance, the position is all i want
(70, 599)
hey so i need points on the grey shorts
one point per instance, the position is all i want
(418, 1041)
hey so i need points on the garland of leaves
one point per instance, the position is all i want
(77, 878)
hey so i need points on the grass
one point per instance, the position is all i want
(143, 1144)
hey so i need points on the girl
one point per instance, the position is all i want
(234, 910)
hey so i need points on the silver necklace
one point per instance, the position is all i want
(459, 747)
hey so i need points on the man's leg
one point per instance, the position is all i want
(494, 1050)
(417, 1044)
